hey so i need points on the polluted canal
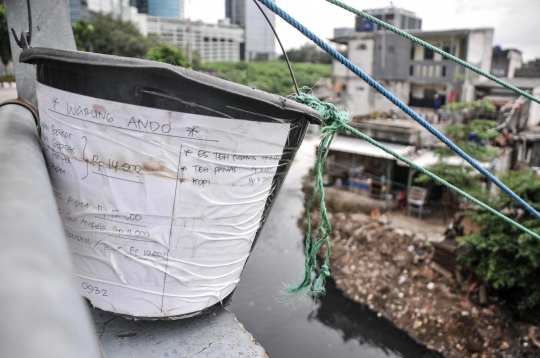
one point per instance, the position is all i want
(333, 326)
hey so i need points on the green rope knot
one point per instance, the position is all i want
(325, 270)
(333, 122)
(332, 118)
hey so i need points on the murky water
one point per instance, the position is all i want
(334, 326)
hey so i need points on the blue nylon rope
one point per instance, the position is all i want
(269, 4)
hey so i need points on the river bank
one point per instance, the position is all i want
(387, 268)
(334, 326)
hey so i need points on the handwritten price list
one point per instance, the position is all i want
(160, 208)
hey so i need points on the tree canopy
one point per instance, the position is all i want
(309, 54)
(83, 31)
(473, 138)
(168, 54)
(5, 49)
(112, 36)
(273, 77)
(503, 256)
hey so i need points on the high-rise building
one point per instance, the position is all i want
(259, 40)
(164, 8)
(214, 42)
(78, 10)
(395, 16)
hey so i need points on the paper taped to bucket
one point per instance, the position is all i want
(161, 208)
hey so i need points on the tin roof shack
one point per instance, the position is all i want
(519, 116)
(370, 170)
(365, 168)
(400, 131)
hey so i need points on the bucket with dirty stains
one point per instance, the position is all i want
(163, 176)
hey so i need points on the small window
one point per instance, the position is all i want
(361, 47)
(391, 48)
(428, 54)
(412, 52)
(444, 71)
(411, 70)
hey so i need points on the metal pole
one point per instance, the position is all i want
(42, 313)
(51, 28)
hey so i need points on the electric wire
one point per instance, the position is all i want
(280, 45)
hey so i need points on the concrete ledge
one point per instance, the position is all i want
(214, 335)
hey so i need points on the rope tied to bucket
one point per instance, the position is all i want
(333, 122)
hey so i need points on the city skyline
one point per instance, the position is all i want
(515, 23)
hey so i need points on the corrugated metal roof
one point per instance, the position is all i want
(360, 146)
(519, 82)
(429, 158)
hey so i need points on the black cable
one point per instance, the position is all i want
(280, 45)
(29, 22)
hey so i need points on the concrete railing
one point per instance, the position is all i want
(42, 313)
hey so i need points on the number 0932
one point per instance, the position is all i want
(93, 289)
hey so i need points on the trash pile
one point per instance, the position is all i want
(389, 269)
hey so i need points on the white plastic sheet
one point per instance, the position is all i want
(160, 208)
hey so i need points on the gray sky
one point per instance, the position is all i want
(516, 22)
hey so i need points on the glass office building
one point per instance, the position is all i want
(163, 8)
(78, 10)
(259, 40)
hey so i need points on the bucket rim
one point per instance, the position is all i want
(34, 54)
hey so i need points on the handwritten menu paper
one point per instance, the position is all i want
(160, 208)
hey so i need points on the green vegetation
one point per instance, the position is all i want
(107, 35)
(5, 49)
(308, 54)
(503, 256)
(486, 106)
(479, 149)
(82, 31)
(273, 77)
(168, 54)
(464, 176)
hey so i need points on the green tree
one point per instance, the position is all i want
(533, 64)
(196, 60)
(5, 49)
(478, 106)
(473, 138)
(112, 36)
(168, 54)
(308, 54)
(273, 76)
(83, 31)
(502, 255)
